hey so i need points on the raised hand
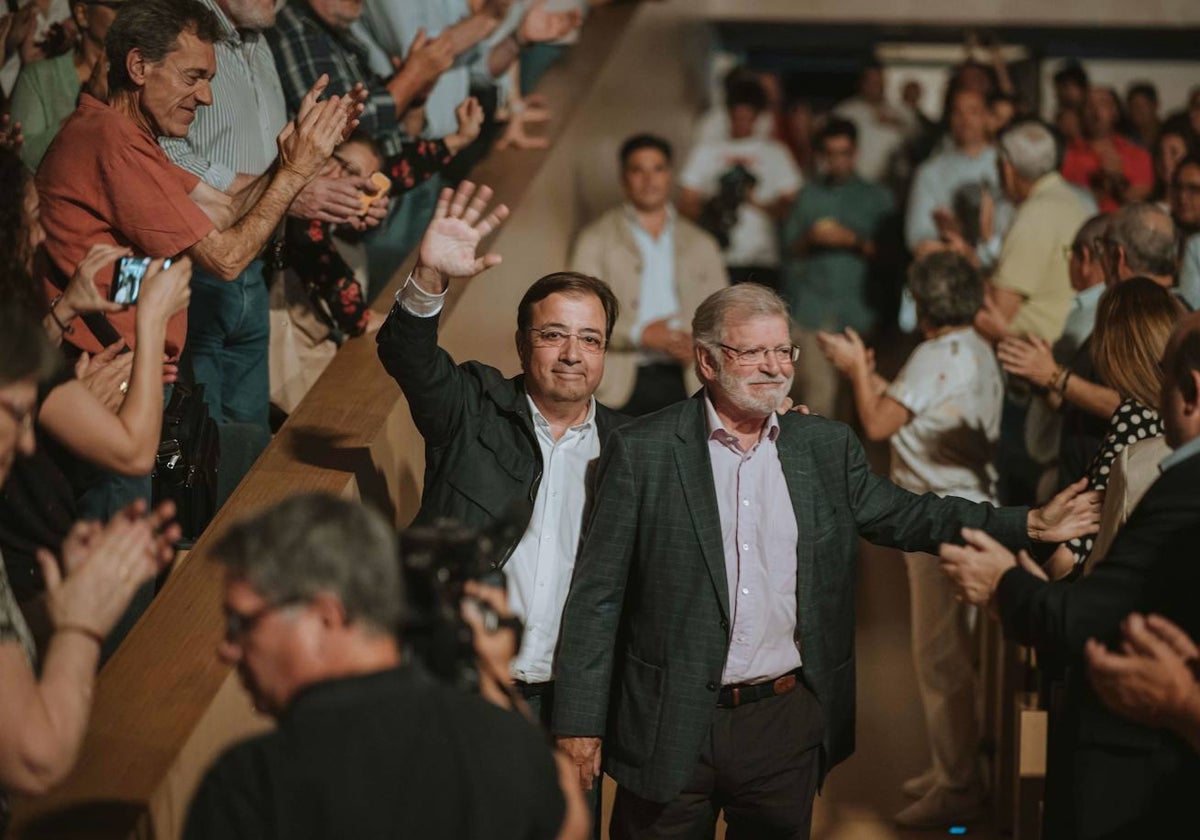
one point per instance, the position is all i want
(306, 143)
(539, 25)
(449, 246)
(470, 120)
(11, 136)
(427, 59)
(165, 291)
(845, 351)
(1074, 512)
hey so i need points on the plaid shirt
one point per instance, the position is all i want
(305, 47)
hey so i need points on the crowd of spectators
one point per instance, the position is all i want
(176, 171)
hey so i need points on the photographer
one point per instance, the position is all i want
(367, 745)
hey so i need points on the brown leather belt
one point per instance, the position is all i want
(732, 696)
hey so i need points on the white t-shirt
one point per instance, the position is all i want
(953, 387)
(753, 241)
(878, 141)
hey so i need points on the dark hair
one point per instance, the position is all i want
(362, 137)
(568, 283)
(644, 141)
(313, 543)
(946, 288)
(745, 90)
(1072, 72)
(25, 349)
(154, 27)
(837, 127)
(870, 63)
(1184, 361)
(16, 284)
(1192, 158)
(1145, 89)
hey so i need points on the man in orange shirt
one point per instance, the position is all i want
(1116, 170)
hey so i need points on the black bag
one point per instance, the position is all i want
(185, 470)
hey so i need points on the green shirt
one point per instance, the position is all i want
(45, 94)
(827, 289)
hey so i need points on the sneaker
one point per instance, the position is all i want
(941, 808)
(918, 786)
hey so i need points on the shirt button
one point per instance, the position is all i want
(746, 502)
(712, 686)
(745, 591)
(745, 546)
(724, 624)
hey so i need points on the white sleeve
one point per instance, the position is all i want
(921, 381)
(782, 174)
(698, 173)
(416, 301)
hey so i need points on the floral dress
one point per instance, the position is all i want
(311, 253)
(1130, 423)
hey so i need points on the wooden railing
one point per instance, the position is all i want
(164, 705)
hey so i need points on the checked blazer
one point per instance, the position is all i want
(646, 626)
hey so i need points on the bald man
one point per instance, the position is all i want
(1110, 776)
(1141, 243)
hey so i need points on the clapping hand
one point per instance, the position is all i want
(449, 246)
(846, 352)
(976, 567)
(539, 25)
(469, 114)
(308, 141)
(106, 374)
(11, 137)
(1152, 675)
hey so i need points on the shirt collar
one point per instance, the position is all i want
(1183, 453)
(540, 421)
(1089, 296)
(718, 432)
(229, 32)
(632, 217)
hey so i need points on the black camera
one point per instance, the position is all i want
(720, 213)
(436, 561)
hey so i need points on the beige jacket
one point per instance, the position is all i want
(1133, 471)
(606, 249)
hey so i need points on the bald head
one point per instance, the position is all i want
(1145, 233)
(1181, 382)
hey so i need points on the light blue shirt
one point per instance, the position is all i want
(1192, 447)
(936, 182)
(1081, 320)
(657, 299)
(1189, 271)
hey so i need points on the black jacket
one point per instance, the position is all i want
(482, 459)
(1109, 777)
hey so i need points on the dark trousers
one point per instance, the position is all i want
(540, 699)
(760, 764)
(657, 386)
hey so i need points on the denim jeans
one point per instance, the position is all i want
(390, 243)
(227, 344)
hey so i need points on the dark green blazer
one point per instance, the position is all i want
(482, 459)
(646, 626)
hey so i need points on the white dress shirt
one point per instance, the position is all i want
(657, 298)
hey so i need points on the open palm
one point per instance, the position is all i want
(459, 224)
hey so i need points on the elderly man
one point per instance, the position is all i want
(229, 144)
(659, 266)
(367, 745)
(1109, 776)
(1030, 291)
(708, 638)
(1141, 242)
(106, 180)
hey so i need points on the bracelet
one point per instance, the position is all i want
(79, 628)
(67, 329)
(1062, 386)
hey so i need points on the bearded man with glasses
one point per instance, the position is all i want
(708, 637)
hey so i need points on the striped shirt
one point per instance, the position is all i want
(305, 47)
(236, 134)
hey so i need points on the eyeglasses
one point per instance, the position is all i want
(239, 625)
(24, 418)
(590, 342)
(785, 355)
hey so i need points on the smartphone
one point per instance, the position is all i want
(127, 281)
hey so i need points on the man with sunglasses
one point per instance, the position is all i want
(708, 638)
(497, 448)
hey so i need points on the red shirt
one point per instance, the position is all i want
(105, 180)
(1081, 162)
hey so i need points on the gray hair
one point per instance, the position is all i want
(745, 300)
(317, 543)
(1030, 148)
(1146, 233)
(946, 288)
